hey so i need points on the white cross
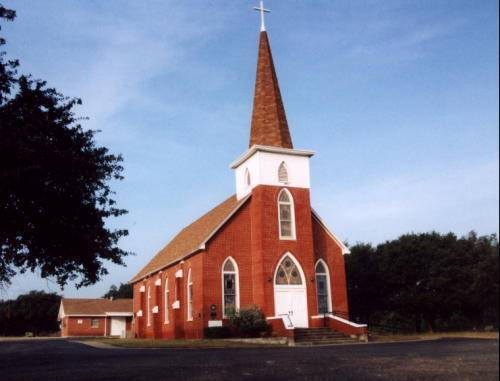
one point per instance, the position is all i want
(261, 9)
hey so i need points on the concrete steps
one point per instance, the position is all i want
(320, 336)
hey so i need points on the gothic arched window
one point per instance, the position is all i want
(282, 173)
(189, 296)
(166, 302)
(323, 287)
(286, 215)
(230, 286)
(288, 272)
(149, 305)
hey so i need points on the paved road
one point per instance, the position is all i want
(447, 359)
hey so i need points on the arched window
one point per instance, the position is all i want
(288, 272)
(286, 215)
(189, 296)
(167, 301)
(248, 181)
(230, 286)
(282, 173)
(323, 287)
(149, 305)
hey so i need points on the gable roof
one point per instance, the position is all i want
(192, 238)
(95, 306)
(269, 124)
(343, 247)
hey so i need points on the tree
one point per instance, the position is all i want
(55, 196)
(426, 281)
(125, 291)
(363, 282)
(35, 312)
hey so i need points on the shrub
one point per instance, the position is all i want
(217, 332)
(249, 322)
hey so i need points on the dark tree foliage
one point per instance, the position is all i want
(35, 312)
(54, 192)
(426, 282)
(125, 291)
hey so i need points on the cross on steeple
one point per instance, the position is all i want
(262, 10)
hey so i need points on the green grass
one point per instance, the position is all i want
(159, 343)
(436, 335)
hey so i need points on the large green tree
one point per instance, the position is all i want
(35, 312)
(425, 281)
(55, 196)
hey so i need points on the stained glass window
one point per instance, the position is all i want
(190, 296)
(229, 266)
(167, 301)
(322, 288)
(230, 282)
(288, 272)
(286, 215)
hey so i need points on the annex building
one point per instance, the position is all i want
(95, 317)
(262, 246)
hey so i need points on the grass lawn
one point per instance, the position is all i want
(436, 335)
(159, 343)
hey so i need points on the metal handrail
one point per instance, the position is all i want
(290, 324)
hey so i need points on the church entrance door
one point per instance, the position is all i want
(290, 296)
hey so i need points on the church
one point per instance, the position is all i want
(264, 246)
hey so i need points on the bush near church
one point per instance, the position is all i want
(249, 322)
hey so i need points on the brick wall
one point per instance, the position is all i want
(72, 328)
(327, 249)
(251, 238)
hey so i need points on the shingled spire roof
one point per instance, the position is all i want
(269, 125)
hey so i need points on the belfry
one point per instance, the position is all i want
(264, 246)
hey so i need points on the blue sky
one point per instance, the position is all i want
(398, 98)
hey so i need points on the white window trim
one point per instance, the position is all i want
(189, 298)
(329, 288)
(237, 285)
(149, 306)
(292, 215)
(166, 309)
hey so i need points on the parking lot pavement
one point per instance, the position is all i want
(446, 359)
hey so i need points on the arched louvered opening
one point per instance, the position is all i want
(283, 173)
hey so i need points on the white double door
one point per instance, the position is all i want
(118, 326)
(292, 301)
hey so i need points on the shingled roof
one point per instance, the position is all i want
(95, 306)
(192, 237)
(269, 124)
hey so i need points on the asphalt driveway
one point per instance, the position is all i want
(445, 359)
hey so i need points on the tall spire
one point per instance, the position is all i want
(269, 125)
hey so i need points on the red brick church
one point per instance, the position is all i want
(263, 246)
